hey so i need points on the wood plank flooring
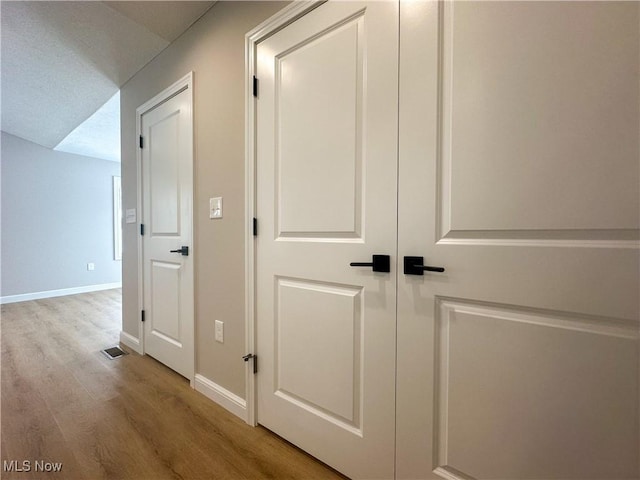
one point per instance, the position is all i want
(62, 401)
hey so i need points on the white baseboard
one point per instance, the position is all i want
(130, 341)
(24, 297)
(222, 396)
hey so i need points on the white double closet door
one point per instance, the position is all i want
(500, 142)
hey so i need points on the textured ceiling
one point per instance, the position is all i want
(99, 135)
(61, 61)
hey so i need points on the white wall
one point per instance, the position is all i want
(57, 216)
(213, 48)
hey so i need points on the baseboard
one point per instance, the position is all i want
(24, 297)
(130, 341)
(222, 396)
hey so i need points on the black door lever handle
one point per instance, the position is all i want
(379, 263)
(182, 251)
(416, 266)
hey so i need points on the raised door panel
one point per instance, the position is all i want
(539, 121)
(519, 392)
(165, 312)
(164, 175)
(319, 142)
(318, 347)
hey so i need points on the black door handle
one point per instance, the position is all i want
(379, 263)
(416, 266)
(182, 251)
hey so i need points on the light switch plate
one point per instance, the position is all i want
(219, 331)
(215, 207)
(130, 215)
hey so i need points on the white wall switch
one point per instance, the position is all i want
(219, 331)
(130, 215)
(91, 266)
(215, 207)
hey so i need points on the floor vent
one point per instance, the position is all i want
(113, 352)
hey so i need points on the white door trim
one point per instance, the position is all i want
(185, 83)
(267, 28)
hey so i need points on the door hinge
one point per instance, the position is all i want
(142, 315)
(253, 357)
(142, 229)
(141, 142)
(255, 86)
(255, 227)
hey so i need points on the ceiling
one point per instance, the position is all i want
(61, 61)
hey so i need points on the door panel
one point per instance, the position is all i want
(309, 317)
(164, 177)
(326, 330)
(165, 301)
(319, 141)
(550, 386)
(540, 118)
(521, 359)
(167, 172)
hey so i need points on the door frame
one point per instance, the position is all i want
(284, 17)
(185, 83)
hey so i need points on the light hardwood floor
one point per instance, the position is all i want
(130, 418)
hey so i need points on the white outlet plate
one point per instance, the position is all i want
(219, 331)
(91, 266)
(215, 207)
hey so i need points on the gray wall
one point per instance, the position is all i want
(57, 216)
(213, 48)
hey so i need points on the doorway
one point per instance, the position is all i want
(166, 232)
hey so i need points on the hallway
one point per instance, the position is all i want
(64, 402)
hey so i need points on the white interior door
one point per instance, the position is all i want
(326, 197)
(167, 173)
(519, 175)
